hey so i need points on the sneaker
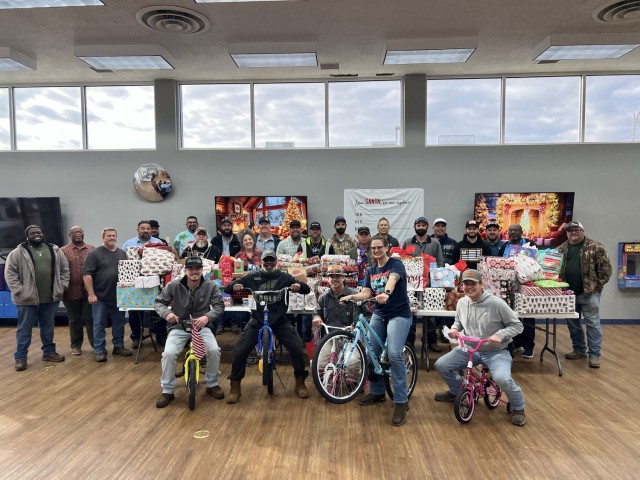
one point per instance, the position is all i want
(434, 348)
(135, 343)
(236, 330)
(400, 414)
(21, 364)
(76, 351)
(527, 353)
(370, 399)
(53, 357)
(574, 355)
(123, 352)
(594, 362)
(164, 400)
(518, 418)
(100, 357)
(216, 392)
(445, 397)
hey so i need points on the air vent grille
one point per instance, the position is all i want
(623, 11)
(173, 20)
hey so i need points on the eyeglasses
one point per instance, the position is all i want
(377, 248)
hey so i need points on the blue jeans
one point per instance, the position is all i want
(101, 312)
(499, 364)
(395, 332)
(175, 344)
(28, 315)
(590, 309)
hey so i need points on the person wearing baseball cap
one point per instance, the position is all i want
(266, 240)
(202, 247)
(492, 232)
(586, 269)
(483, 315)
(226, 241)
(294, 242)
(472, 248)
(316, 244)
(341, 242)
(329, 312)
(446, 242)
(155, 231)
(362, 254)
(268, 278)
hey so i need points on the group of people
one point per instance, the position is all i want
(40, 275)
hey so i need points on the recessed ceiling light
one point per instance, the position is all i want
(584, 52)
(249, 60)
(125, 57)
(449, 55)
(12, 60)
(8, 4)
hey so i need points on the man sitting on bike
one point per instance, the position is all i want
(483, 315)
(197, 301)
(329, 311)
(268, 278)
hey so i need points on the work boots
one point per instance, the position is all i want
(234, 393)
(301, 389)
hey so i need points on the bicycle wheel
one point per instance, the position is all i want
(464, 405)
(192, 382)
(335, 378)
(492, 394)
(267, 364)
(410, 362)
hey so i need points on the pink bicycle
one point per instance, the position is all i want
(476, 383)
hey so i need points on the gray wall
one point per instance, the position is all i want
(96, 188)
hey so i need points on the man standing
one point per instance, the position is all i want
(361, 253)
(266, 241)
(227, 242)
(143, 237)
(383, 231)
(341, 242)
(268, 278)
(315, 245)
(37, 274)
(100, 274)
(447, 243)
(186, 237)
(493, 238)
(75, 297)
(515, 239)
(472, 248)
(586, 269)
(202, 247)
(293, 243)
(195, 304)
(155, 231)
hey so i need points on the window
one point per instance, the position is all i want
(48, 118)
(463, 111)
(216, 116)
(5, 132)
(542, 110)
(120, 117)
(612, 110)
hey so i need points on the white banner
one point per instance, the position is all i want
(401, 206)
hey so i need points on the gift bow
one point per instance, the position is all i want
(408, 252)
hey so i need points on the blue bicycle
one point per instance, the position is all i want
(340, 367)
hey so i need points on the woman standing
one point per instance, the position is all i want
(391, 320)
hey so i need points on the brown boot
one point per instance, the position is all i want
(234, 393)
(301, 388)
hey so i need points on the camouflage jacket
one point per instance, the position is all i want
(596, 266)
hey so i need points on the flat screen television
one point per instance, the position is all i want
(17, 213)
(542, 216)
(245, 212)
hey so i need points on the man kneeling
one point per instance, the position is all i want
(200, 302)
(483, 315)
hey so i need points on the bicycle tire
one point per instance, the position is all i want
(267, 365)
(411, 363)
(492, 394)
(464, 405)
(339, 383)
(192, 382)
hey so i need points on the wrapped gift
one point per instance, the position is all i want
(499, 262)
(442, 277)
(226, 270)
(451, 300)
(132, 298)
(415, 273)
(299, 273)
(310, 302)
(551, 262)
(434, 299)
(296, 302)
(518, 250)
(539, 291)
(506, 291)
(156, 261)
(415, 300)
(147, 282)
(128, 271)
(134, 253)
(545, 304)
(527, 269)
(342, 260)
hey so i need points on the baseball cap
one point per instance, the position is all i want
(193, 262)
(471, 223)
(264, 220)
(335, 270)
(226, 220)
(439, 220)
(421, 219)
(201, 229)
(268, 254)
(573, 224)
(340, 219)
(154, 224)
(364, 230)
(472, 275)
(315, 225)
(294, 223)
(492, 223)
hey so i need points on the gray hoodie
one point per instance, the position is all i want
(488, 316)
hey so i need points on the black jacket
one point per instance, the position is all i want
(470, 252)
(234, 246)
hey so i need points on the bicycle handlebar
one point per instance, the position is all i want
(478, 341)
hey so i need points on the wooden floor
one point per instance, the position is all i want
(80, 419)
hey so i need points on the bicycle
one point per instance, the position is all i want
(191, 367)
(476, 383)
(340, 367)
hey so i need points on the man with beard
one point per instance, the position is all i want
(493, 238)
(266, 241)
(227, 242)
(75, 297)
(143, 237)
(341, 242)
(202, 247)
(186, 237)
(155, 231)
(268, 278)
(315, 245)
(37, 274)
(293, 243)
(472, 248)
(100, 274)
(446, 242)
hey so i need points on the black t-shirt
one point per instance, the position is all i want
(102, 265)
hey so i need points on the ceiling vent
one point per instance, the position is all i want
(330, 66)
(623, 11)
(173, 20)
